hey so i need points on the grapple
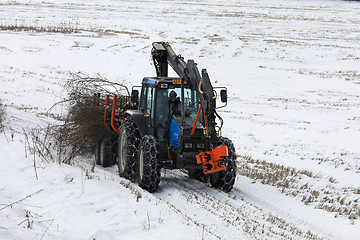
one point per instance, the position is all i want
(213, 161)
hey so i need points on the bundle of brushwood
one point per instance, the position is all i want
(81, 127)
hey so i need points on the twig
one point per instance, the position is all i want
(26, 141)
(47, 229)
(31, 212)
(45, 137)
(6, 137)
(149, 224)
(30, 195)
(23, 221)
(38, 144)
(41, 154)
(46, 220)
(37, 178)
(82, 181)
(25, 146)
(203, 233)
(81, 166)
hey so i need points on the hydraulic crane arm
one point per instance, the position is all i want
(163, 55)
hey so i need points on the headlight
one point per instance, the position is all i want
(200, 145)
(188, 145)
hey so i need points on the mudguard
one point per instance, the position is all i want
(141, 121)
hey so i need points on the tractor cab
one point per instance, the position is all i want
(160, 101)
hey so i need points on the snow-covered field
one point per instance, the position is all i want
(292, 72)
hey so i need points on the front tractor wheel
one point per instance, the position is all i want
(128, 144)
(148, 164)
(225, 180)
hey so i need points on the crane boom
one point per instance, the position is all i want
(163, 55)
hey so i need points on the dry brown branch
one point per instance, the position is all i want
(82, 126)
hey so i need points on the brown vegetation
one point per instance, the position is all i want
(2, 115)
(82, 127)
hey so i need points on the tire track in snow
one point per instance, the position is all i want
(236, 215)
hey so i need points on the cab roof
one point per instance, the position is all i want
(157, 80)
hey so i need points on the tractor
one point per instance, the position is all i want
(169, 123)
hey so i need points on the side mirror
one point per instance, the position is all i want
(223, 95)
(134, 96)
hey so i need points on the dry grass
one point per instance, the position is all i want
(67, 28)
(2, 115)
(29, 28)
(301, 184)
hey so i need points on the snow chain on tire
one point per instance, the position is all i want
(128, 143)
(225, 180)
(148, 164)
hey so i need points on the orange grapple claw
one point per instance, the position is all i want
(212, 161)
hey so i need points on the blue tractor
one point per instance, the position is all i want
(171, 123)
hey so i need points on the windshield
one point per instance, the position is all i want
(169, 104)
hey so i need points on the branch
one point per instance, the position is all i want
(18, 201)
(52, 220)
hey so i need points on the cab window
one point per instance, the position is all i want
(146, 99)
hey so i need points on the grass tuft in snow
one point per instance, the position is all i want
(309, 187)
(62, 28)
(2, 115)
(133, 189)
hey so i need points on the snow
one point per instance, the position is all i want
(76, 206)
(291, 69)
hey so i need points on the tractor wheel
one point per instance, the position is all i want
(225, 180)
(128, 143)
(148, 164)
(106, 153)
(199, 175)
(97, 154)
